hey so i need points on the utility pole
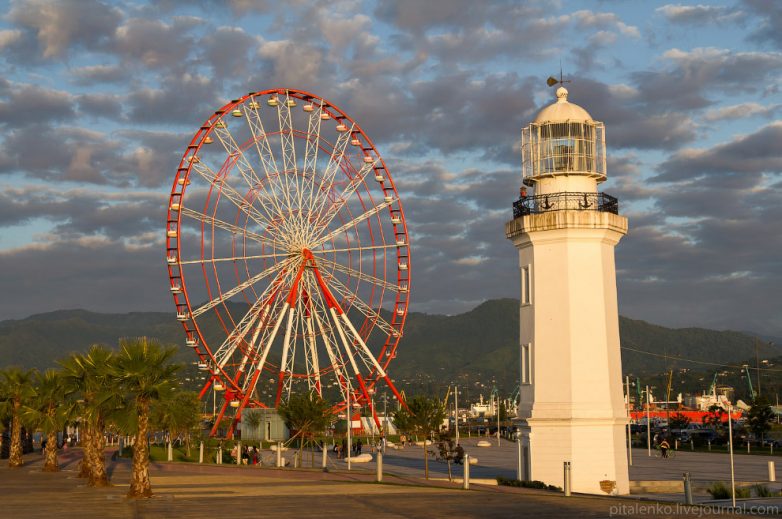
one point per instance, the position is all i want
(757, 362)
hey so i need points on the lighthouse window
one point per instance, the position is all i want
(526, 367)
(526, 290)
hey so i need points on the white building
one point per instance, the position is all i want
(571, 400)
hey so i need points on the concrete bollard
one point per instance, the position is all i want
(676, 445)
(709, 445)
(201, 453)
(219, 455)
(170, 451)
(772, 472)
(238, 453)
(296, 460)
(692, 445)
(567, 478)
(466, 481)
(379, 460)
(279, 455)
(325, 457)
(687, 489)
(121, 444)
(747, 447)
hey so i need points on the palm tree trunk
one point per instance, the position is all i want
(15, 456)
(85, 469)
(139, 479)
(50, 464)
(98, 475)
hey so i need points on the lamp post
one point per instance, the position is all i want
(349, 413)
(371, 392)
(648, 424)
(730, 445)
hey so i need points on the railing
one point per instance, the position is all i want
(565, 201)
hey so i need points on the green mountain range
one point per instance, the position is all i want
(477, 348)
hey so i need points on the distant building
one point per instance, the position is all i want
(259, 424)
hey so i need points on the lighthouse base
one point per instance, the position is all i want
(595, 448)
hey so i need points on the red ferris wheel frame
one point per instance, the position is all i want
(304, 278)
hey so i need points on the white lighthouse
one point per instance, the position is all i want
(571, 406)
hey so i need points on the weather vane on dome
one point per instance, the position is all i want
(551, 81)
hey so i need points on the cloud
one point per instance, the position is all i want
(751, 154)
(770, 14)
(153, 43)
(741, 111)
(91, 74)
(700, 14)
(23, 104)
(60, 25)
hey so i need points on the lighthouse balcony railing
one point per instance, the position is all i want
(537, 204)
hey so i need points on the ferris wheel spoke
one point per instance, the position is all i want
(362, 307)
(232, 195)
(342, 199)
(268, 160)
(264, 303)
(241, 286)
(288, 150)
(362, 248)
(329, 342)
(233, 229)
(359, 275)
(369, 213)
(323, 192)
(310, 158)
(233, 258)
(245, 168)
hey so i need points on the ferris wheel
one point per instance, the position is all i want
(288, 254)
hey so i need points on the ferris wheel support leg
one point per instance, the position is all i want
(284, 363)
(243, 404)
(219, 418)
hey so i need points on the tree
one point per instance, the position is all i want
(144, 371)
(305, 414)
(178, 413)
(422, 416)
(47, 413)
(760, 416)
(715, 417)
(678, 421)
(94, 398)
(16, 391)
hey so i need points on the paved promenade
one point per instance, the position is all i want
(191, 490)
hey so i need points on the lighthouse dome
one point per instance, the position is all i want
(562, 110)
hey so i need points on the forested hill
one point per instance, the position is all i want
(477, 345)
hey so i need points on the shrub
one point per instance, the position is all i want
(508, 482)
(762, 491)
(718, 490)
(743, 492)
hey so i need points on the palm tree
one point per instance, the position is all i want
(16, 392)
(47, 412)
(143, 369)
(95, 397)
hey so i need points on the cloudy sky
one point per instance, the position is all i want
(98, 101)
